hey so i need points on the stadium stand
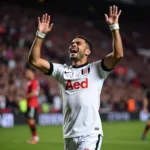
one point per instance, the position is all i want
(123, 89)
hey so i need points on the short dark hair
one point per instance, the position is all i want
(86, 40)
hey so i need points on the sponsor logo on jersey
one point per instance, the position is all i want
(77, 85)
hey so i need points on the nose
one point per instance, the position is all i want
(74, 44)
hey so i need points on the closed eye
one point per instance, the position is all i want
(78, 43)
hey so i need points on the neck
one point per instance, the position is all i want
(31, 78)
(78, 63)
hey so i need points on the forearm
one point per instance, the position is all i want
(114, 57)
(34, 57)
(35, 51)
(117, 45)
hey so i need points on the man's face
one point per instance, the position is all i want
(28, 74)
(78, 49)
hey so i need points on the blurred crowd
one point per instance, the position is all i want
(124, 88)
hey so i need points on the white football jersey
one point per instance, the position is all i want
(80, 90)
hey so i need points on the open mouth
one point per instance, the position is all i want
(73, 51)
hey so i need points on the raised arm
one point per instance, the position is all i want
(115, 56)
(34, 57)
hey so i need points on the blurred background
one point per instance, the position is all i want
(123, 92)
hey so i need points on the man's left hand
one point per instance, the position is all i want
(113, 15)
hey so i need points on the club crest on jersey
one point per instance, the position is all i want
(85, 71)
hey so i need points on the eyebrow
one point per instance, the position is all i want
(76, 42)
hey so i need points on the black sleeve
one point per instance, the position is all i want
(50, 71)
(104, 67)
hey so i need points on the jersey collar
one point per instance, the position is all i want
(80, 65)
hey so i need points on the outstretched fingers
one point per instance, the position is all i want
(113, 10)
(39, 21)
(48, 18)
(119, 13)
(106, 17)
(116, 10)
(110, 11)
(50, 26)
(44, 19)
(44, 22)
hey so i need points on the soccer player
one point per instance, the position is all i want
(81, 83)
(32, 91)
(146, 109)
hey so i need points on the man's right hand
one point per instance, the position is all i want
(44, 24)
(34, 58)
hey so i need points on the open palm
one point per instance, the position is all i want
(44, 25)
(113, 15)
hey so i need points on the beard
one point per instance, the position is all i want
(77, 56)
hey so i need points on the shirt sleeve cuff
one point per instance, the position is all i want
(104, 67)
(50, 71)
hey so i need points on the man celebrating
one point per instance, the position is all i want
(81, 83)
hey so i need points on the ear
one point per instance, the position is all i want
(87, 52)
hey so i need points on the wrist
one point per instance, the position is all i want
(40, 34)
(114, 26)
